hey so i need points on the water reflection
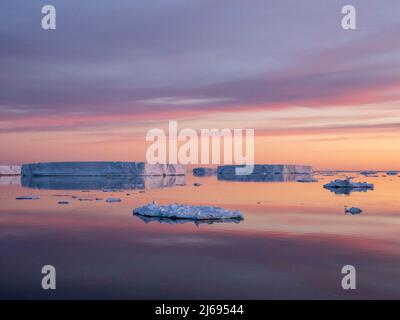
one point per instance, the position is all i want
(269, 177)
(10, 180)
(164, 220)
(346, 191)
(101, 182)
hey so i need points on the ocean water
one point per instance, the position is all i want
(292, 244)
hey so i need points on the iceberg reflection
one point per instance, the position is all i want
(197, 222)
(101, 182)
(347, 191)
(10, 180)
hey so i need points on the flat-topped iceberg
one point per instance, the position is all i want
(101, 168)
(10, 170)
(348, 184)
(181, 211)
(268, 169)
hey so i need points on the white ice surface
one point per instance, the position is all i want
(181, 211)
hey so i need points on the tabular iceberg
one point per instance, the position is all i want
(268, 169)
(181, 211)
(10, 170)
(99, 168)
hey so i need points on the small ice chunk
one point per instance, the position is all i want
(196, 184)
(113, 200)
(352, 210)
(27, 198)
(181, 211)
(63, 202)
(307, 180)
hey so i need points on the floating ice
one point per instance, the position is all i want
(113, 200)
(180, 211)
(27, 198)
(368, 172)
(392, 173)
(203, 172)
(348, 184)
(353, 210)
(10, 170)
(63, 202)
(268, 169)
(101, 168)
(307, 180)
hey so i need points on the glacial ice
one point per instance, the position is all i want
(101, 168)
(10, 170)
(268, 169)
(181, 211)
(105, 183)
(113, 200)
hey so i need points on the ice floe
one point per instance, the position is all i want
(181, 211)
(113, 200)
(307, 180)
(27, 198)
(352, 210)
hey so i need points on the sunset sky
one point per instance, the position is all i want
(112, 70)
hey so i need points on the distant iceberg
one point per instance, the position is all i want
(10, 170)
(203, 172)
(392, 173)
(307, 180)
(368, 172)
(101, 168)
(181, 211)
(268, 177)
(268, 169)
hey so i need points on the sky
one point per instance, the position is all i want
(112, 70)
